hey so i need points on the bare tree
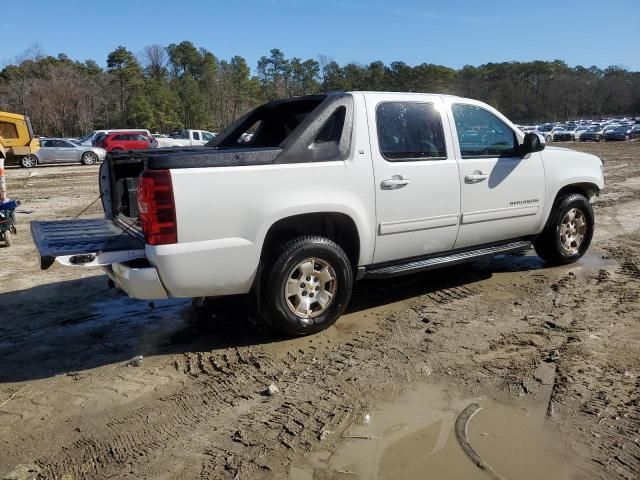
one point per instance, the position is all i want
(154, 58)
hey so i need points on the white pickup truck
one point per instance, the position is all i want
(185, 138)
(330, 189)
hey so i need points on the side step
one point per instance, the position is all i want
(444, 260)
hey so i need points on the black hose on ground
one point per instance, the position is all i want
(462, 423)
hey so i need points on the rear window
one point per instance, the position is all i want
(332, 129)
(269, 124)
(8, 130)
(410, 131)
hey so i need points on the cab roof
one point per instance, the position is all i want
(14, 116)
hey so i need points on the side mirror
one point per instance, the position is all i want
(532, 143)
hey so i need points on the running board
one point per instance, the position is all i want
(445, 260)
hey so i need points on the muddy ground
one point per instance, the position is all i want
(552, 355)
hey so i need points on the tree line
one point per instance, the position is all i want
(183, 86)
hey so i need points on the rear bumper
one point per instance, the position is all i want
(138, 282)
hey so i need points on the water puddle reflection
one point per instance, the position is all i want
(412, 436)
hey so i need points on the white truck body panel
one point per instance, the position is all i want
(407, 225)
(508, 203)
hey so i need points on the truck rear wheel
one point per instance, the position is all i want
(569, 230)
(308, 286)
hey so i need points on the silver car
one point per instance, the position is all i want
(58, 150)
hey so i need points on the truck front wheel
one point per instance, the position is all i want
(569, 230)
(308, 286)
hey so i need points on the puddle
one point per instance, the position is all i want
(412, 437)
(518, 262)
(595, 260)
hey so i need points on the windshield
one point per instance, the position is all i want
(87, 137)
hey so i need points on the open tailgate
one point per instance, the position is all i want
(85, 242)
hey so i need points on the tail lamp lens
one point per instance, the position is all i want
(157, 207)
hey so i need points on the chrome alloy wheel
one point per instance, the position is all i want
(572, 231)
(29, 161)
(310, 288)
(90, 158)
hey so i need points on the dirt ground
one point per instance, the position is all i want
(552, 355)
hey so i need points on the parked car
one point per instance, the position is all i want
(187, 138)
(635, 131)
(128, 141)
(59, 150)
(563, 134)
(579, 131)
(395, 189)
(90, 139)
(622, 132)
(592, 134)
(545, 131)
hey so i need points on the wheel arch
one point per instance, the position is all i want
(588, 189)
(336, 226)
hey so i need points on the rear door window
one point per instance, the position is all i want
(196, 136)
(409, 131)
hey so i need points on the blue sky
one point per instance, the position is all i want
(448, 32)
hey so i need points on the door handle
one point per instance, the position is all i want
(395, 182)
(475, 177)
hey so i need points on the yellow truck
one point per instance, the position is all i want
(17, 143)
(16, 137)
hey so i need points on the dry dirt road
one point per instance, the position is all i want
(552, 355)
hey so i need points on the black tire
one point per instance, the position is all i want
(548, 244)
(7, 238)
(278, 312)
(28, 161)
(89, 158)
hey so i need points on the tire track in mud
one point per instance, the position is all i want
(219, 386)
(223, 391)
(246, 434)
(597, 388)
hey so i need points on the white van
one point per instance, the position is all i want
(89, 139)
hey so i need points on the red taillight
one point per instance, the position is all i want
(157, 208)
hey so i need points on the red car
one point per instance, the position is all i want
(127, 141)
